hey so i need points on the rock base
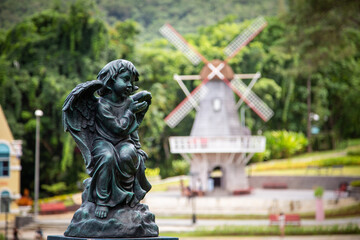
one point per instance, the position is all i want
(54, 237)
(121, 222)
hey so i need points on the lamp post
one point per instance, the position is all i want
(308, 125)
(7, 201)
(192, 197)
(38, 114)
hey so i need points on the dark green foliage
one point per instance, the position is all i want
(353, 152)
(185, 15)
(323, 38)
(43, 56)
(42, 59)
(12, 12)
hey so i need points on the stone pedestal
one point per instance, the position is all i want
(122, 221)
(59, 237)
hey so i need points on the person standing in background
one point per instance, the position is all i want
(282, 224)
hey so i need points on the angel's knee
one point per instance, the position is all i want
(128, 157)
(103, 152)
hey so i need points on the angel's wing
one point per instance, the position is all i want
(79, 117)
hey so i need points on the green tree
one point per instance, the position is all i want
(324, 34)
(42, 59)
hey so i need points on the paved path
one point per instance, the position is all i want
(57, 226)
(336, 237)
(260, 201)
(61, 221)
(261, 222)
(258, 193)
(29, 235)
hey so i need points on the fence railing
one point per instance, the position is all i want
(231, 144)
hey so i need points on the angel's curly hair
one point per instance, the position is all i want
(110, 72)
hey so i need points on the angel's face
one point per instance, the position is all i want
(123, 84)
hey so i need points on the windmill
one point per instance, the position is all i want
(217, 139)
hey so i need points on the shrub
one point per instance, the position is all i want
(319, 192)
(351, 210)
(355, 183)
(348, 143)
(354, 152)
(58, 198)
(322, 230)
(152, 172)
(180, 167)
(56, 188)
(346, 161)
(259, 157)
(283, 144)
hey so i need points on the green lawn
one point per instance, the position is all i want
(315, 155)
(158, 186)
(346, 171)
(298, 165)
(228, 230)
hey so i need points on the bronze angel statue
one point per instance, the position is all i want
(105, 130)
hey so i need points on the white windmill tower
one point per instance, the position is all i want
(217, 139)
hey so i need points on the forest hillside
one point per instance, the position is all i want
(184, 15)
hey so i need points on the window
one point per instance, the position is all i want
(5, 201)
(4, 160)
(217, 104)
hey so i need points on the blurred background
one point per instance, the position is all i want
(309, 59)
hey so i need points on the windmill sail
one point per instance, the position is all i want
(215, 71)
(185, 106)
(251, 99)
(181, 44)
(245, 37)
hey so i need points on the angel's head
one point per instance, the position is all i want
(118, 71)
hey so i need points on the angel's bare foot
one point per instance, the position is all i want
(101, 211)
(134, 202)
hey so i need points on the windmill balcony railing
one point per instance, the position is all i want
(231, 144)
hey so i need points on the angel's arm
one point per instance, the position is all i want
(143, 97)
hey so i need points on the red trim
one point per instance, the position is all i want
(252, 106)
(191, 47)
(186, 99)
(246, 43)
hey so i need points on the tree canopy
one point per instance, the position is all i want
(45, 55)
